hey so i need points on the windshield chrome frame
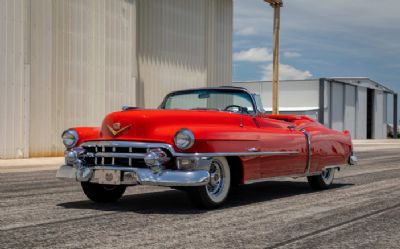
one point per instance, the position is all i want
(243, 90)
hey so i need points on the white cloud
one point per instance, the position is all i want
(254, 55)
(286, 72)
(289, 54)
(246, 31)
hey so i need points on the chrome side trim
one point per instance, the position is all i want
(294, 176)
(221, 154)
(272, 178)
(308, 141)
(176, 154)
(253, 149)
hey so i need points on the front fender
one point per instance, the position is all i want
(87, 134)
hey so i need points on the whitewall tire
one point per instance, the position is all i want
(216, 191)
(323, 180)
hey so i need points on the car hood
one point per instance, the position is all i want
(161, 125)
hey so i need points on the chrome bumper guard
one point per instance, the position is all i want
(353, 160)
(134, 176)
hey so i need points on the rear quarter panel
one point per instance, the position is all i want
(328, 147)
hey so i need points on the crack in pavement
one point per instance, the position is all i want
(344, 223)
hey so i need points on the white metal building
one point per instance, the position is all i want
(66, 63)
(359, 105)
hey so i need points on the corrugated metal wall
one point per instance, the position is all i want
(337, 106)
(13, 91)
(361, 130)
(350, 115)
(82, 66)
(379, 116)
(68, 63)
(188, 44)
(219, 42)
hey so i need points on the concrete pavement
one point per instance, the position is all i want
(362, 210)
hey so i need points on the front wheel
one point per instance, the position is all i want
(216, 191)
(322, 181)
(103, 193)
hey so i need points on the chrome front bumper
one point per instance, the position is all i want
(113, 163)
(134, 176)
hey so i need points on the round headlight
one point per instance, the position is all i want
(70, 138)
(184, 139)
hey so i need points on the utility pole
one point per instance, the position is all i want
(395, 118)
(276, 4)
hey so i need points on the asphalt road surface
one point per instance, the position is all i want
(362, 210)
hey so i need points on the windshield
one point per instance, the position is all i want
(259, 103)
(210, 99)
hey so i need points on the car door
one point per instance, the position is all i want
(289, 149)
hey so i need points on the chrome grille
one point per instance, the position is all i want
(114, 155)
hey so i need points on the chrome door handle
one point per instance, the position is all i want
(253, 150)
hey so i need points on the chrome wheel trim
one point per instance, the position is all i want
(109, 187)
(327, 176)
(218, 187)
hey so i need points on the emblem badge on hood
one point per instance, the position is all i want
(116, 126)
(116, 129)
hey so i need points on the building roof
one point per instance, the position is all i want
(356, 81)
(362, 81)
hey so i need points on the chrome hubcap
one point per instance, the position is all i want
(109, 188)
(327, 175)
(216, 183)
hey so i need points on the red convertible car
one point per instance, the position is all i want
(202, 141)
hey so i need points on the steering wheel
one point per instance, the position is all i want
(241, 108)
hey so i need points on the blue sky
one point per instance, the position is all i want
(337, 38)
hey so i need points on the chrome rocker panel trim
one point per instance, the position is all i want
(166, 178)
(277, 178)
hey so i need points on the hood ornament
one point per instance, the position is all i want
(116, 128)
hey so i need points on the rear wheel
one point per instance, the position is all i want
(103, 193)
(216, 191)
(322, 181)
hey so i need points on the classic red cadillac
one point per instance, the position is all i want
(202, 141)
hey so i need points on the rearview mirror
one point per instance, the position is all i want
(204, 96)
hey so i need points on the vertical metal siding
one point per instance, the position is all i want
(385, 115)
(361, 130)
(41, 64)
(337, 106)
(12, 89)
(350, 110)
(82, 66)
(171, 47)
(327, 100)
(182, 44)
(68, 63)
(378, 132)
(219, 42)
